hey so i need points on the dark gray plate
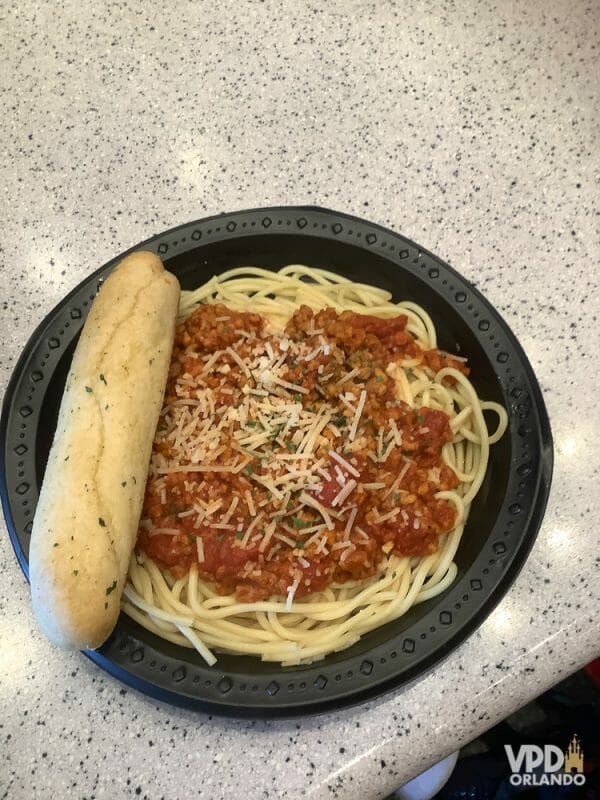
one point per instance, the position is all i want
(505, 516)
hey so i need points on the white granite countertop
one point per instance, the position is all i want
(472, 128)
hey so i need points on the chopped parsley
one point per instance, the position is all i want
(101, 522)
(340, 421)
(291, 447)
(56, 544)
(249, 470)
(88, 389)
(276, 431)
(239, 536)
(300, 545)
(111, 588)
(103, 379)
(300, 523)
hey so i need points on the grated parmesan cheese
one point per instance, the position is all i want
(359, 410)
(200, 549)
(344, 493)
(345, 464)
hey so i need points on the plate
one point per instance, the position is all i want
(504, 519)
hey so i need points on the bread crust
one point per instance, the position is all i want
(90, 502)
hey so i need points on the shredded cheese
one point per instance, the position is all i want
(344, 493)
(251, 528)
(291, 591)
(200, 549)
(345, 464)
(359, 409)
(310, 501)
(350, 522)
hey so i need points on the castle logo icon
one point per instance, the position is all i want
(574, 756)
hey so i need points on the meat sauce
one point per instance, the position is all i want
(275, 511)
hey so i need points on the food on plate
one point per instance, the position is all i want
(312, 470)
(91, 497)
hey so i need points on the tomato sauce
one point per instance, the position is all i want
(290, 456)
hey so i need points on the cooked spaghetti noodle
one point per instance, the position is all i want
(313, 470)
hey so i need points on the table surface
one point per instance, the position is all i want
(470, 128)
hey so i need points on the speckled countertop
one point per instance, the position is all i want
(469, 127)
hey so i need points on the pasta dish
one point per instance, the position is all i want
(312, 471)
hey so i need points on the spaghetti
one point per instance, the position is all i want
(313, 469)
